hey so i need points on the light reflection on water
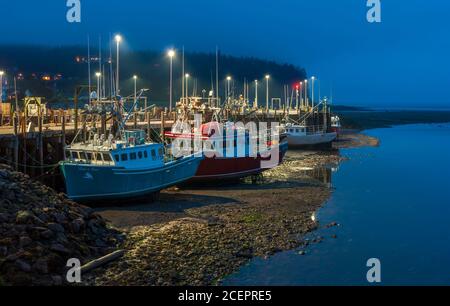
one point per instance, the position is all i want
(393, 203)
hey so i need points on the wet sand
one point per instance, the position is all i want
(197, 236)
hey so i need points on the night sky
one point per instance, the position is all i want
(402, 62)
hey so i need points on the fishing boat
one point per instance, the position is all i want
(126, 166)
(306, 133)
(304, 136)
(232, 153)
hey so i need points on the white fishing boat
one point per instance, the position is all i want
(300, 135)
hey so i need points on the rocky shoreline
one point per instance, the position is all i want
(40, 230)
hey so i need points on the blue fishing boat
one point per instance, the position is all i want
(123, 169)
(123, 164)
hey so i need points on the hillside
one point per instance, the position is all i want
(69, 66)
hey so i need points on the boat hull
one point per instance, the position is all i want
(231, 168)
(88, 183)
(311, 140)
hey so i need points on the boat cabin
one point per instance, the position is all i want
(132, 152)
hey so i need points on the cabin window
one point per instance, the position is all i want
(124, 157)
(133, 156)
(75, 155)
(145, 154)
(98, 157)
(67, 154)
(83, 156)
(88, 155)
(297, 130)
(160, 152)
(107, 157)
(140, 154)
(117, 157)
(153, 154)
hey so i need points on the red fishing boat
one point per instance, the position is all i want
(232, 155)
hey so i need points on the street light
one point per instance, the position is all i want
(228, 87)
(1, 88)
(118, 39)
(312, 91)
(301, 95)
(186, 76)
(171, 54)
(256, 94)
(267, 91)
(135, 87)
(98, 75)
(306, 93)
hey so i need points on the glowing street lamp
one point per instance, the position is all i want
(267, 91)
(301, 95)
(1, 88)
(228, 86)
(99, 95)
(306, 93)
(256, 94)
(118, 40)
(171, 54)
(312, 91)
(135, 87)
(186, 76)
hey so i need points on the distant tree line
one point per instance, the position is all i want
(152, 69)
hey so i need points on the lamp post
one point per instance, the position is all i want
(256, 94)
(135, 86)
(306, 93)
(118, 39)
(98, 75)
(1, 89)
(186, 76)
(267, 92)
(171, 54)
(301, 95)
(1, 94)
(228, 87)
(312, 91)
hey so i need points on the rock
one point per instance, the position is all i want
(24, 216)
(25, 241)
(3, 251)
(41, 266)
(77, 225)
(55, 227)
(22, 265)
(47, 234)
(59, 248)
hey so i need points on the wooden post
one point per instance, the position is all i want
(163, 124)
(40, 141)
(16, 143)
(24, 126)
(63, 134)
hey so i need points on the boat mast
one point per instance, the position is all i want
(89, 68)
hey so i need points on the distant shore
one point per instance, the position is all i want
(360, 119)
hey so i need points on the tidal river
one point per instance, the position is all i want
(392, 203)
